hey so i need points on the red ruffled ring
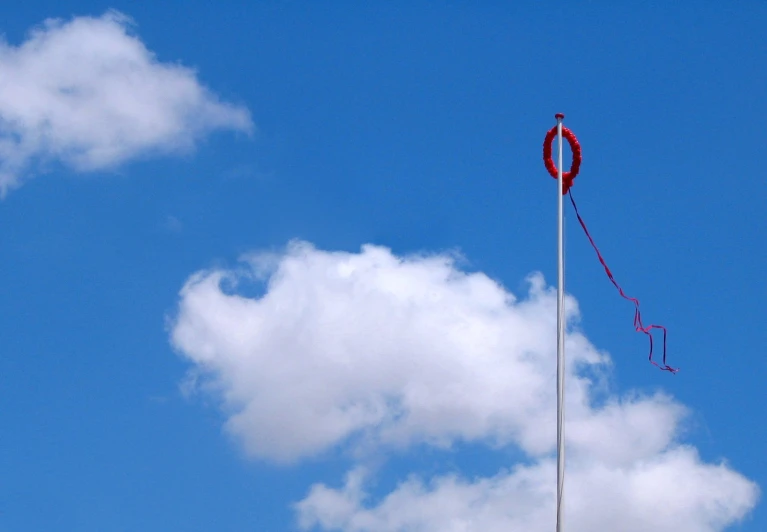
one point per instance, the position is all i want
(567, 177)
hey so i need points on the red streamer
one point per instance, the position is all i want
(637, 315)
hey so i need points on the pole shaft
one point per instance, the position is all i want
(560, 337)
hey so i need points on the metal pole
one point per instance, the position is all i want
(560, 335)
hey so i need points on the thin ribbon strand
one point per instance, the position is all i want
(637, 315)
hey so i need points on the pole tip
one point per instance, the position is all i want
(559, 116)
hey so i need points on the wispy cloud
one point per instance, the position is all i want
(373, 351)
(89, 94)
(171, 224)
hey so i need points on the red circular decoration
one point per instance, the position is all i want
(567, 177)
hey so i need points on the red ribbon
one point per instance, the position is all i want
(637, 315)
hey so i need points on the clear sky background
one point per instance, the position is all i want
(317, 377)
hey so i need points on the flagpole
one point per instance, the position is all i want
(560, 334)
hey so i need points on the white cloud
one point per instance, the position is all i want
(89, 94)
(397, 351)
(373, 351)
(669, 492)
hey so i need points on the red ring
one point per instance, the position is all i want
(567, 177)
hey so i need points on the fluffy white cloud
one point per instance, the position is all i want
(392, 350)
(371, 350)
(89, 94)
(669, 492)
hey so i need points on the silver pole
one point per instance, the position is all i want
(560, 335)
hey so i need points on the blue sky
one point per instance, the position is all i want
(417, 128)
